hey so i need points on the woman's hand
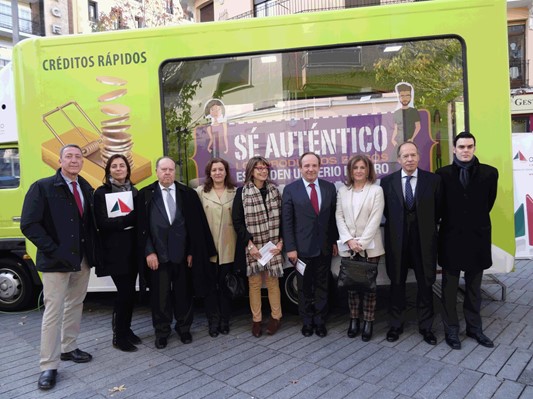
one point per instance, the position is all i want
(354, 245)
(254, 252)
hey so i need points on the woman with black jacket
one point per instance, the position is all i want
(115, 218)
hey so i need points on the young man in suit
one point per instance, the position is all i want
(57, 216)
(174, 236)
(469, 193)
(310, 234)
(412, 201)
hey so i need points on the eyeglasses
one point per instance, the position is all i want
(261, 168)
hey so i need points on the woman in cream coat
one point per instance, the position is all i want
(359, 211)
(216, 196)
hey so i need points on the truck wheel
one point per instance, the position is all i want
(16, 288)
(289, 290)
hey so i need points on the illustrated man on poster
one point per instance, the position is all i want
(406, 117)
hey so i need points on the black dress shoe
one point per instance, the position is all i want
(368, 328)
(429, 337)
(77, 356)
(321, 330)
(452, 339)
(394, 334)
(124, 345)
(161, 342)
(135, 340)
(353, 328)
(481, 339)
(47, 379)
(213, 331)
(224, 327)
(307, 330)
(186, 337)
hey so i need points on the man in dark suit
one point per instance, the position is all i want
(469, 192)
(58, 218)
(310, 234)
(173, 233)
(412, 200)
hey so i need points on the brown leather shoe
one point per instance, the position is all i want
(256, 329)
(273, 326)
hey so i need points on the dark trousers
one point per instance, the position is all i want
(412, 258)
(471, 305)
(124, 302)
(171, 293)
(313, 289)
(218, 305)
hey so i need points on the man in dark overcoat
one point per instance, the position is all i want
(58, 218)
(469, 192)
(177, 244)
(412, 201)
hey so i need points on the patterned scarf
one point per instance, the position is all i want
(263, 224)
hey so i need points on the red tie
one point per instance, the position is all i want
(314, 198)
(77, 197)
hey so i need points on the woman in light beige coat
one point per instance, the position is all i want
(359, 211)
(216, 196)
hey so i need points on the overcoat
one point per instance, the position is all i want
(427, 203)
(117, 237)
(199, 240)
(50, 220)
(465, 230)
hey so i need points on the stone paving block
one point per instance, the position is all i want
(457, 356)
(528, 317)
(327, 384)
(223, 393)
(250, 357)
(476, 357)
(365, 390)
(527, 374)
(419, 378)
(396, 361)
(439, 351)
(462, 384)
(201, 391)
(516, 364)
(260, 369)
(497, 359)
(513, 296)
(343, 389)
(189, 388)
(509, 390)
(374, 360)
(485, 387)
(509, 334)
(346, 352)
(305, 381)
(356, 358)
(518, 313)
(490, 308)
(439, 382)
(527, 392)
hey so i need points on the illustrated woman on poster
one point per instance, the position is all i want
(216, 112)
(406, 117)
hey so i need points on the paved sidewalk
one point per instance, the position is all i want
(286, 365)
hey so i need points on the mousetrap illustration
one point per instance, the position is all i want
(97, 145)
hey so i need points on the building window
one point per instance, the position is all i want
(169, 6)
(264, 8)
(93, 11)
(207, 13)
(517, 61)
(139, 22)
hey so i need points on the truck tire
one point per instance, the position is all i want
(289, 291)
(16, 288)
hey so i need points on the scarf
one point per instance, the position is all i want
(465, 169)
(117, 187)
(263, 224)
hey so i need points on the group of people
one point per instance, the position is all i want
(182, 243)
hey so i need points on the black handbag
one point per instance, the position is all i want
(357, 274)
(235, 285)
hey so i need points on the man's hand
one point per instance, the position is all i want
(189, 261)
(335, 250)
(293, 256)
(152, 261)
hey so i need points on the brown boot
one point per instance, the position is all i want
(256, 329)
(273, 326)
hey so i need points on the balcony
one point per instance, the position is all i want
(518, 73)
(285, 7)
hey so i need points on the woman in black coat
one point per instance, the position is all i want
(118, 238)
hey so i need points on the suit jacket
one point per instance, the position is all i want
(362, 222)
(465, 230)
(199, 240)
(303, 230)
(117, 237)
(218, 213)
(51, 221)
(427, 200)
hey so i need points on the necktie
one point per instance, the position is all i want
(170, 203)
(409, 198)
(314, 198)
(77, 197)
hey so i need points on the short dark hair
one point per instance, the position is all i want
(309, 153)
(369, 166)
(108, 167)
(463, 135)
(208, 184)
(403, 87)
(68, 146)
(404, 143)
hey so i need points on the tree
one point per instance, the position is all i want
(131, 14)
